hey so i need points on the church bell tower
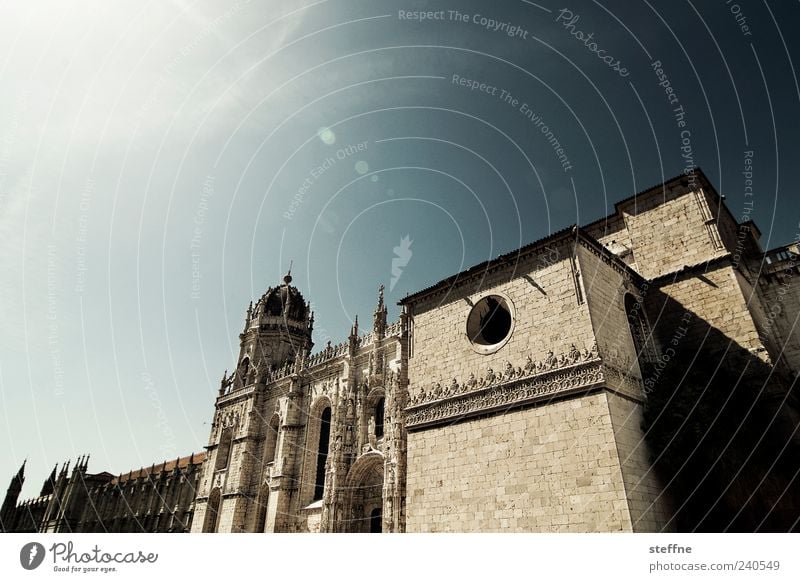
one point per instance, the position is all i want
(275, 341)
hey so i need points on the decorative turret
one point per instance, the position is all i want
(353, 338)
(225, 383)
(277, 335)
(379, 317)
(379, 332)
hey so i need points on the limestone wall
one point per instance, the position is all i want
(668, 228)
(712, 305)
(649, 509)
(548, 316)
(552, 468)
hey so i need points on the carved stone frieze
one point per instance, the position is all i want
(509, 373)
(514, 391)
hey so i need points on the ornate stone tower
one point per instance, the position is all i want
(277, 333)
(275, 341)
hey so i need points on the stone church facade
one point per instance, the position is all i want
(305, 442)
(507, 397)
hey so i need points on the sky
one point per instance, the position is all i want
(162, 164)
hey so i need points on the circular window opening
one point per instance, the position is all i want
(489, 323)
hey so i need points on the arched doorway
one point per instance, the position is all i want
(376, 520)
(363, 496)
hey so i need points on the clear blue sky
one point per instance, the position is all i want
(162, 162)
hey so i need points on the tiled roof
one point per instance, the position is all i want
(166, 466)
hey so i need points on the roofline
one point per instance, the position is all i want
(681, 178)
(487, 265)
(146, 470)
(582, 232)
(579, 234)
(588, 239)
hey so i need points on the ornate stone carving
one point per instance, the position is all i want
(454, 387)
(574, 355)
(621, 379)
(551, 362)
(530, 366)
(554, 374)
(230, 419)
(521, 390)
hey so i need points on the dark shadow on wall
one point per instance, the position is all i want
(722, 429)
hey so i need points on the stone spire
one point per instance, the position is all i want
(9, 507)
(353, 337)
(249, 317)
(49, 483)
(379, 317)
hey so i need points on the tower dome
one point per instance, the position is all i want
(283, 301)
(277, 329)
